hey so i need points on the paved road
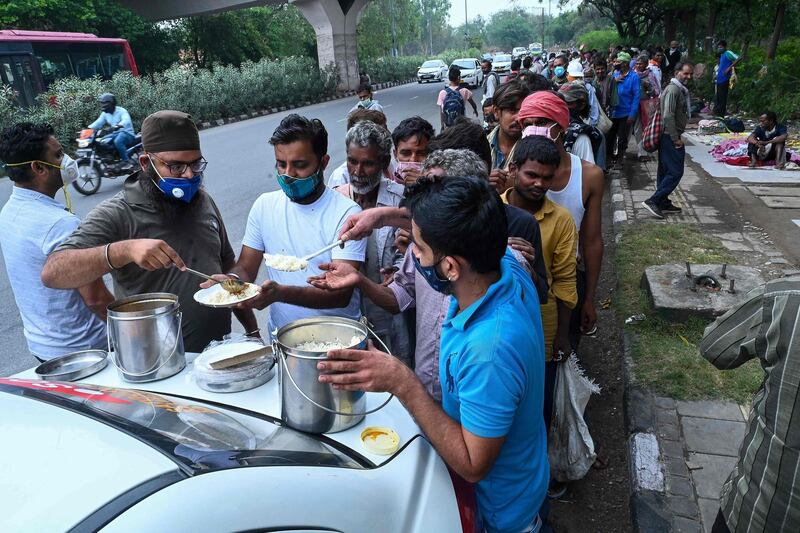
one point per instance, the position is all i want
(241, 167)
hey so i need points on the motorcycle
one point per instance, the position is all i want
(97, 159)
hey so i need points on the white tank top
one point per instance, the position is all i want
(571, 196)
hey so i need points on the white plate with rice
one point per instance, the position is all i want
(216, 296)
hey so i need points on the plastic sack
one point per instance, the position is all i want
(570, 446)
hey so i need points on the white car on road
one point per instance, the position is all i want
(519, 51)
(106, 455)
(471, 72)
(432, 70)
(502, 63)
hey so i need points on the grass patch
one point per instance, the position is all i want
(665, 354)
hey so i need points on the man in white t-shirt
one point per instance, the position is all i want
(448, 108)
(301, 218)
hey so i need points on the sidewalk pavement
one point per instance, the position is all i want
(682, 452)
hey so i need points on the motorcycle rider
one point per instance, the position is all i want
(116, 117)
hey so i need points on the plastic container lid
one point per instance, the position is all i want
(243, 376)
(380, 440)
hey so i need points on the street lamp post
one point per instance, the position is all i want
(466, 35)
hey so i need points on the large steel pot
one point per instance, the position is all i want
(306, 404)
(144, 332)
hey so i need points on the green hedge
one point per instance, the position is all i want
(206, 94)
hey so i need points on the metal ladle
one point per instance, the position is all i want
(323, 250)
(233, 286)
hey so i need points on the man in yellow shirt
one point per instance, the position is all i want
(531, 170)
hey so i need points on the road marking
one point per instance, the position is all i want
(342, 120)
(387, 105)
(796, 221)
(414, 97)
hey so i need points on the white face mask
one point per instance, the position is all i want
(69, 170)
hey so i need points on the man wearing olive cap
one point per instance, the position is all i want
(162, 218)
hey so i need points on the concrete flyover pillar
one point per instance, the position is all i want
(334, 22)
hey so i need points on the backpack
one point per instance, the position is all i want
(453, 106)
(734, 125)
(651, 136)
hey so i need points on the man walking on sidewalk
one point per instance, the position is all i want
(671, 152)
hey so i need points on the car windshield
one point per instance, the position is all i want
(430, 64)
(502, 58)
(198, 435)
(464, 64)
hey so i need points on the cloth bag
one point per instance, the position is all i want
(651, 136)
(603, 122)
(570, 446)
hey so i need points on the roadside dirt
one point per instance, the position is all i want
(600, 501)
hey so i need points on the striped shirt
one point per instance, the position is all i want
(762, 494)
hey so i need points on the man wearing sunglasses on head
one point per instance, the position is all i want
(161, 219)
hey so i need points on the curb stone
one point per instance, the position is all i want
(648, 499)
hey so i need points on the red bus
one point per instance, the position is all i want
(31, 60)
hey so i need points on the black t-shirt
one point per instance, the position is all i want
(523, 225)
(762, 135)
(200, 239)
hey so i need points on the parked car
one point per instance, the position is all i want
(169, 456)
(471, 72)
(502, 63)
(432, 70)
(519, 51)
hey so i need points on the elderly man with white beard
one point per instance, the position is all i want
(369, 153)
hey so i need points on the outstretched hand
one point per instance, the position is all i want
(335, 276)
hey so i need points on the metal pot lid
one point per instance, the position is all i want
(73, 366)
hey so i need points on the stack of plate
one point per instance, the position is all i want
(255, 371)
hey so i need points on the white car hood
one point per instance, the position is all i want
(430, 70)
(266, 400)
(62, 467)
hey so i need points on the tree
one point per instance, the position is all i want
(233, 37)
(635, 20)
(512, 27)
(780, 13)
(375, 27)
(434, 15)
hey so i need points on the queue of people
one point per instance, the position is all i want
(476, 255)
(447, 260)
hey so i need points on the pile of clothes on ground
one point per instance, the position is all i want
(731, 148)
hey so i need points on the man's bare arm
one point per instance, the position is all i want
(362, 224)
(591, 242)
(97, 297)
(70, 269)
(470, 456)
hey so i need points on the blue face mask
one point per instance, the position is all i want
(299, 188)
(560, 71)
(182, 189)
(432, 276)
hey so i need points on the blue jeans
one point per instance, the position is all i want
(670, 169)
(121, 141)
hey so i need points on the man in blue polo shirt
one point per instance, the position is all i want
(727, 60)
(489, 429)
